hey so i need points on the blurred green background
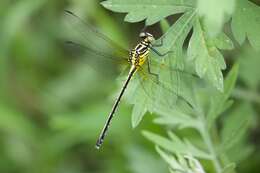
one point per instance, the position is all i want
(53, 106)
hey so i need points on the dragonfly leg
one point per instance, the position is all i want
(159, 53)
(159, 44)
(152, 47)
(150, 71)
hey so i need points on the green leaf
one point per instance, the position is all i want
(141, 160)
(177, 33)
(169, 159)
(235, 126)
(215, 13)
(140, 94)
(151, 10)
(241, 151)
(230, 168)
(164, 24)
(146, 94)
(230, 81)
(220, 101)
(208, 60)
(222, 41)
(181, 163)
(175, 117)
(246, 23)
(173, 41)
(176, 145)
(249, 66)
(138, 111)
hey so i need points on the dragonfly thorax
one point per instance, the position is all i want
(138, 55)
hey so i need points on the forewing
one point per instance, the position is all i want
(82, 34)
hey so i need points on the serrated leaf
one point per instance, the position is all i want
(246, 23)
(175, 117)
(175, 145)
(138, 111)
(173, 41)
(208, 60)
(222, 41)
(169, 159)
(194, 164)
(177, 33)
(182, 163)
(146, 95)
(151, 10)
(220, 101)
(137, 96)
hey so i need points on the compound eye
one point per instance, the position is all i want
(142, 34)
(151, 38)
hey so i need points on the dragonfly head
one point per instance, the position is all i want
(147, 36)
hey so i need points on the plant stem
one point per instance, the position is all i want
(209, 143)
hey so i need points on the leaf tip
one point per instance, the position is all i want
(106, 4)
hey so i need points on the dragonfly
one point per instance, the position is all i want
(136, 58)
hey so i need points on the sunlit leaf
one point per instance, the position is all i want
(182, 163)
(246, 23)
(147, 94)
(151, 10)
(176, 117)
(175, 145)
(220, 100)
(215, 13)
(208, 60)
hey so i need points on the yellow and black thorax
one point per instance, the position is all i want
(139, 54)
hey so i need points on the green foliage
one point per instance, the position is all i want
(220, 102)
(208, 60)
(229, 168)
(235, 127)
(181, 164)
(142, 100)
(249, 60)
(53, 102)
(180, 147)
(209, 68)
(215, 13)
(138, 156)
(151, 10)
(201, 119)
(245, 23)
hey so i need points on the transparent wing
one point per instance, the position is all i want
(77, 47)
(174, 72)
(163, 89)
(82, 34)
